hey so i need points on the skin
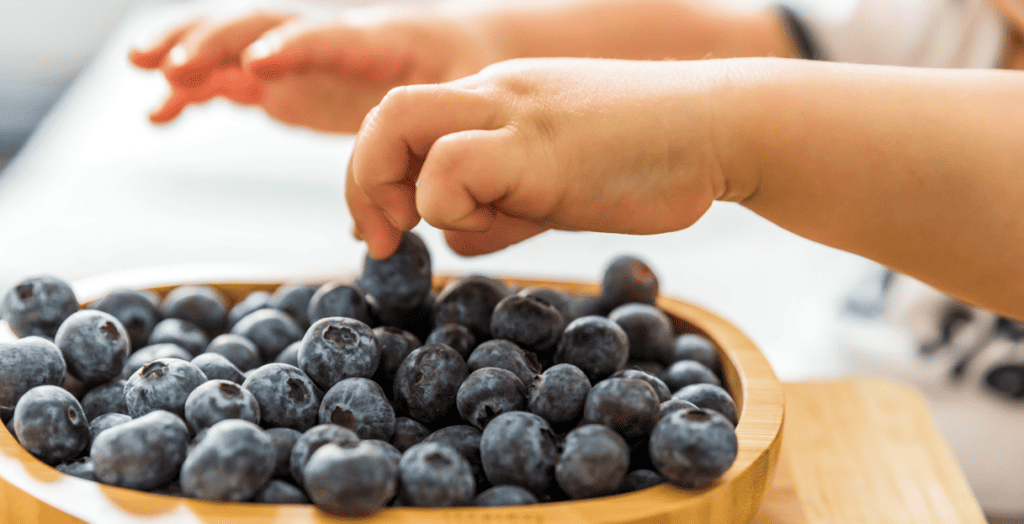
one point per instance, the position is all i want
(632, 146)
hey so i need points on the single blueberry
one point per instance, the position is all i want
(466, 440)
(389, 450)
(428, 381)
(709, 396)
(435, 475)
(81, 468)
(519, 448)
(649, 331)
(394, 344)
(400, 282)
(670, 406)
(639, 479)
(627, 405)
(283, 440)
(153, 352)
(593, 462)
(682, 373)
(359, 404)
(596, 345)
(51, 424)
(693, 447)
(241, 351)
(336, 348)
(585, 305)
(352, 482)
(232, 462)
(280, 492)
(217, 400)
(294, 300)
(628, 279)
(287, 397)
(454, 336)
(529, 321)
(561, 300)
(180, 332)
(408, 432)
(691, 346)
(36, 306)
(161, 384)
(105, 422)
(469, 301)
(339, 299)
(290, 354)
(558, 394)
(105, 398)
(200, 305)
(651, 367)
(662, 389)
(135, 310)
(487, 393)
(144, 453)
(251, 302)
(505, 354)
(270, 329)
(311, 440)
(217, 367)
(24, 364)
(504, 495)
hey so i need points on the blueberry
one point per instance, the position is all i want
(37, 306)
(81, 468)
(454, 336)
(353, 482)
(651, 367)
(469, 301)
(294, 300)
(9, 426)
(24, 364)
(670, 406)
(594, 344)
(662, 389)
(280, 492)
(593, 462)
(434, 474)
(311, 440)
(336, 348)
(639, 479)
(489, 392)
(180, 332)
(135, 310)
(466, 440)
(627, 405)
(287, 397)
(561, 300)
(709, 396)
(691, 346)
(232, 462)
(505, 354)
(693, 447)
(217, 367)
(649, 331)
(558, 394)
(428, 381)
(419, 320)
(251, 302)
(161, 384)
(200, 305)
(519, 448)
(359, 404)
(585, 305)
(290, 354)
(338, 299)
(105, 422)
(105, 398)
(283, 440)
(394, 344)
(237, 349)
(628, 279)
(388, 449)
(217, 400)
(529, 321)
(153, 352)
(144, 453)
(504, 495)
(400, 282)
(407, 433)
(51, 424)
(270, 329)
(682, 373)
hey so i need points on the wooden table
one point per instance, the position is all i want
(864, 451)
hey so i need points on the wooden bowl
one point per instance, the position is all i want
(31, 491)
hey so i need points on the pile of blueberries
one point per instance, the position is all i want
(327, 394)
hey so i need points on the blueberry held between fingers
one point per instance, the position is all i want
(50, 424)
(428, 381)
(400, 282)
(336, 348)
(593, 462)
(354, 482)
(649, 331)
(200, 305)
(232, 462)
(529, 321)
(558, 394)
(709, 396)
(136, 312)
(504, 495)
(435, 475)
(287, 397)
(629, 406)
(359, 404)
(36, 306)
(311, 440)
(144, 454)
(470, 301)
(487, 393)
(217, 400)
(241, 351)
(519, 448)
(270, 329)
(216, 367)
(180, 332)
(163, 384)
(338, 299)
(693, 447)
(24, 364)
(594, 344)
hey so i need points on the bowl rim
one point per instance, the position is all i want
(747, 373)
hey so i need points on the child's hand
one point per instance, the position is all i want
(528, 145)
(322, 73)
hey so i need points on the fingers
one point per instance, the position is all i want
(371, 226)
(231, 83)
(153, 55)
(504, 232)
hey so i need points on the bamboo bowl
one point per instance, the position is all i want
(31, 491)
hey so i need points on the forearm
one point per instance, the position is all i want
(627, 29)
(921, 170)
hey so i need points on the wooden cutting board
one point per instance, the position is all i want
(864, 451)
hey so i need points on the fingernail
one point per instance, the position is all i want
(177, 56)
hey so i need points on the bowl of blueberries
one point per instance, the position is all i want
(395, 395)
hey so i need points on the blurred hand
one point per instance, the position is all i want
(319, 72)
